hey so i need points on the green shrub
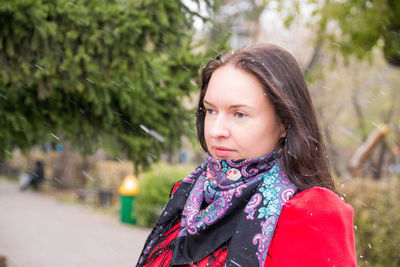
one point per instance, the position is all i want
(155, 186)
(377, 220)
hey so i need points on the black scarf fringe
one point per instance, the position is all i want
(158, 237)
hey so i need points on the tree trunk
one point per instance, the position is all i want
(64, 175)
(360, 115)
(332, 152)
(315, 57)
(364, 151)
(379, 165)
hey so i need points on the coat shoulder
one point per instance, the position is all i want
(315, 229)
(319, 201)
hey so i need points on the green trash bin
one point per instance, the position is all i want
(128, 192)
(127, 209)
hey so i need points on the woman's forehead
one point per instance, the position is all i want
(231, 86)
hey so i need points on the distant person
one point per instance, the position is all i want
(265, 195)
(34, 178)
(183, 157)
(37, 175)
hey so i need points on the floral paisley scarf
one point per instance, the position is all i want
(233, 204)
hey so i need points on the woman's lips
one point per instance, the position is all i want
(220, 151)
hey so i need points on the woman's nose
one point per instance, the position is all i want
(219, 127)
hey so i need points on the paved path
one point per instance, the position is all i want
(39, 231)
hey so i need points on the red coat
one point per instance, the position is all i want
(315, 228)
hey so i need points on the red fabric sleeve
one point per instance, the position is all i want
(174, 187)
(315, 229)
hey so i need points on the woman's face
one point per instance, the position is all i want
(240, 120)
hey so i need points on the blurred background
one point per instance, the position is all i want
(93, 91)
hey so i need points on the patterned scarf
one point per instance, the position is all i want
(225, 203)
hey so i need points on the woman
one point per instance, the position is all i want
(264, 196)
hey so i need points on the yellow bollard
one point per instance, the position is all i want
(128, 190)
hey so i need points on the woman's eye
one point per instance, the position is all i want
(240, 115)
(210, 111)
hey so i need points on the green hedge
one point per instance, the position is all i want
(155, 186)
(377, 220)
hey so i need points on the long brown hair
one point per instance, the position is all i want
(302, 152)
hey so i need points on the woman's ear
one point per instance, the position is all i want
(283, 130)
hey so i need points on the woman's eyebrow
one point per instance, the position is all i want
(240, 106)
(208, 103)
(231, 106)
